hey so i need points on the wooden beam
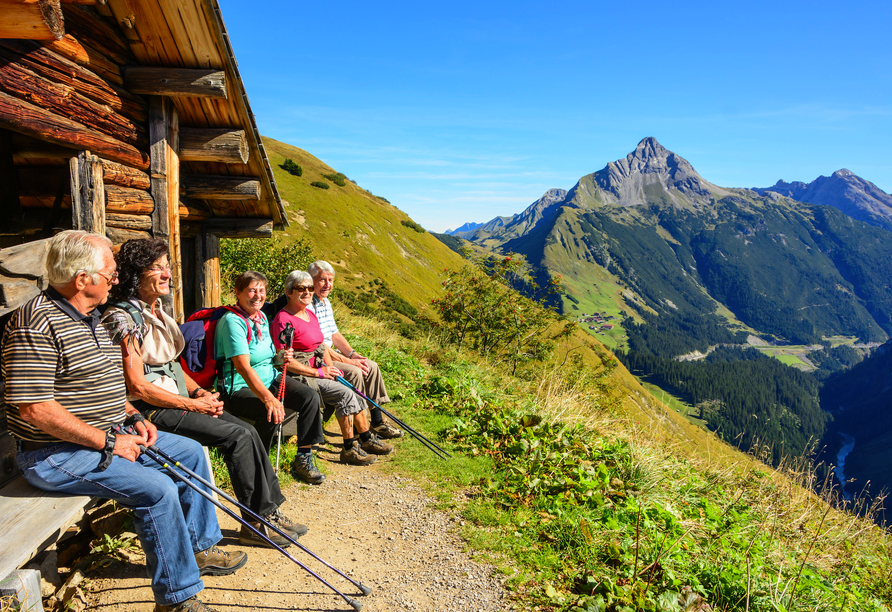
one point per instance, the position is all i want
(10, 205)
(164, 134)
(229, 146)
(128, 201)
(31, 19)
(131, 222)
(87, 193)
(20, 116)
(239, 227)
(176, 82)
(41, 60)
(119, 236)
(211, 187)
(114, 173)
(84, 55)
(207, 268)
(64, 100)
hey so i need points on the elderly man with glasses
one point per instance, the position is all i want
(65, 400)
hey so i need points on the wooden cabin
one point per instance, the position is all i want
(127, 118)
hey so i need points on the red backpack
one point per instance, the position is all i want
(199, 358)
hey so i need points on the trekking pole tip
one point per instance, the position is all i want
(355, 604)
(365, 589)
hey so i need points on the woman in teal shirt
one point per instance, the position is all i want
(250, 382)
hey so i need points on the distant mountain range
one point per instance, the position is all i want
(649, 236)
(467, 227)
(856, 197)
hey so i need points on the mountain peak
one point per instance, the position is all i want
(843, 173)
(649, 148)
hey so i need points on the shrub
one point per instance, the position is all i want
(292, 168)
(320, 184)
(268, 256)
(412, 225)
(338, 179)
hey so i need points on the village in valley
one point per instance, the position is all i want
(596, 321)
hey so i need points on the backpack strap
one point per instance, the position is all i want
(219, 376)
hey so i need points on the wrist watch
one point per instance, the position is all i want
(108, 452)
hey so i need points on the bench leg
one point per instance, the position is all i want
(23, 587)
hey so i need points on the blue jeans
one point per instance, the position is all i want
(173, 521)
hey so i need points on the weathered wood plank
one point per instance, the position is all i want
(42, 61)
(85, 55)
(91, 30)
(131, 222)
(239, 227)
(211, 187)
(126, 200)
(64, 100)
(87, 193)
(119, 236)
(26, 260)
(31, 19)
(214, 144)
(31, 120)
(173, 212)
(118, 174)
(31, 519)
(177, 82)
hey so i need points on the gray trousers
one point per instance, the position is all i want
(371, 385)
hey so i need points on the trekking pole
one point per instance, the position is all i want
(365, 590)
(149, 451)
(286, 338)
(418, 436)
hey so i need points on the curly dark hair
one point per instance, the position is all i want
(134, 258)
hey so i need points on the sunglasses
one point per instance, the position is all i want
(304, 288)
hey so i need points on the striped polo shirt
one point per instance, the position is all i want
(321, 307)
(50, 351)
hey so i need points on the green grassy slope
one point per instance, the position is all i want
(360, 234)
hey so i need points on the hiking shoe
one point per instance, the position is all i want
(304, 468)
(278, 519)
(215, 562)
(386, 431)
(376, 446)
(190, 605)
(250, 538)
(355, 455)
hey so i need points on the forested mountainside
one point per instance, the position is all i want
(686, 265)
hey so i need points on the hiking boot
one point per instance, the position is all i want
(215, 562)
(355, 455)
(304, 468)
(249, 538)
(190, 605)
(386, 431)
(376, 446)
(278, 519)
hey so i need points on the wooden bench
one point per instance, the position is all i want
(32, 520)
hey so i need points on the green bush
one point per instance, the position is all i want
(292, 168)
(320, 184)
(338, 179)
(412, 225)
(269, 256)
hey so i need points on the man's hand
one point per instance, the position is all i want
(360, 362)
(147, 431)
(129, 447)
(330, 372)
(275, 411)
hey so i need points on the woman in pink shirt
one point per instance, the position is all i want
(312, 365)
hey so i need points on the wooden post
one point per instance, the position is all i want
(172, 81)
(87, 193)
(164, 172)
(207, 267)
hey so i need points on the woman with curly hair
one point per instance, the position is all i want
(151, 342)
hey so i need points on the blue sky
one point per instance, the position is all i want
(462, 112)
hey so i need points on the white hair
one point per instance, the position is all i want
(295, 278)
(318, 267)
(74, 251)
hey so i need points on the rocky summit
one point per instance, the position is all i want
(844, 190)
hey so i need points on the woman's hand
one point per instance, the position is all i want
(329, 372)
(275, 411)
(206, 402)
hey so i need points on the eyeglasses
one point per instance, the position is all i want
(304, 288)
(111, 278)
(159, 269)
